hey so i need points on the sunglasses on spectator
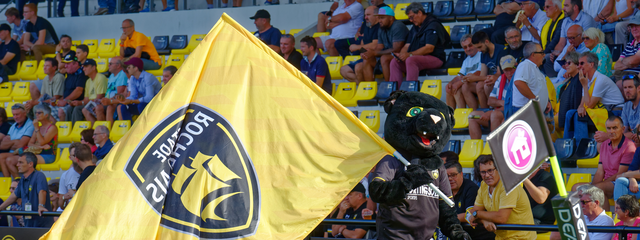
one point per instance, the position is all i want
(586, 38)
(582, 63)
(539, 52)
(585, 201)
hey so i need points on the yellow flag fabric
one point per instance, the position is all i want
(239, 144)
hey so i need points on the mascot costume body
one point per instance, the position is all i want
(418, 126)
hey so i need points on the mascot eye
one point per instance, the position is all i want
(414, 111)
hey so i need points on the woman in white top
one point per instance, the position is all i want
(619, 20)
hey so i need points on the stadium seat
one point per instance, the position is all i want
(63, 159)
(5, 91)
(295, 31)
(334, 62)
(615, 50)
(119, 129)
(178, 42)
(479, 27)
(78, 127)
(428, 7)
(589, 162)
(106, 47)
(116, 50)
(8, 105)
(365, 91)
(471, 150)
(20, 92)
(15, 76)
(102, 64)
(162, 44)
(158, 72)
(484, 10)
(448, 28)
(451, 67)
(463, 10)
(457, 32)
(486, 150)
(283, 31)
(75, 43)
(27, 69)
(410, 86)
(349, 59)
(64, 131)
(93, 47)
(543, 236)
(452, 145)
(193, 43)
(443, 10)
(54, 166)
(384, 90)
(345, 92)
(175, 60)
(400, 11)
(5, 184)
(102, 123)
(461, 115)
(371, 118)
(391, 6)
(432, 87)
(578, 178)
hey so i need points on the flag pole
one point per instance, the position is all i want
(557, 174)
(433, 187)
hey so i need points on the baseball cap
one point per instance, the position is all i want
(135, 62)
(70, 57)
(359, 188)
(508, 62)
(261, 14)
(5, 26)
(385, 11)
(635, 20)
(89, 62)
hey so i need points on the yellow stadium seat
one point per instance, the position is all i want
(371, 118)
(119, 129)
(27, 69)
(349, 59)
(8, 105)
(283, 31)
(175, 60)
(543, 236)
(400, 11)
(365, 91)
(470, 152)
(333, 87)
(461, 115)
(588, 163)
(345, 91)
(295, 31)
(5, 184)
(106, 47)
(64, 160)
(334, 67)
(391, 6)
(75, 43)
(93, 47)
(578, 178)
(51, 55)
(21, 92)
(5, 91)
(193, 43)
(34, 75)
(102, 123)
(432, 87)
(486, 150)
(116, 49)
(54, 166)
(448, 28)
(102, 64)
(16, 76)
(40, 72)
(158, 72)
(64, 131)
(453, 71)
(78, 127)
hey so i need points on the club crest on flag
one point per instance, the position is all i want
(194, 171)
(519, 144)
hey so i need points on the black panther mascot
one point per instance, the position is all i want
(418, 126)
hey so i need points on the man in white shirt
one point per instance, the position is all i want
(532, 21)
(529, 82)
(599, 10)
(344, 22)
(471, 66)
(591, 200)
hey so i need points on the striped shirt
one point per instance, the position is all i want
(629, 50)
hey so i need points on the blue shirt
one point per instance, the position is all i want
(317, 68)
(116, 81)
(635, 163)
(630, 115)
(584, 20)
(28, 189)
(270, 37)
(102, 151)
(492, 62)
(16, 132)
(144, 88)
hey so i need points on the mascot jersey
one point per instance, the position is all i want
(420, 218)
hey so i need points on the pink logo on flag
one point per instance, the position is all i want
(519, 147)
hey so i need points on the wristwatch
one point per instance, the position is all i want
(529, 27)
(475, 214)
(42, 205)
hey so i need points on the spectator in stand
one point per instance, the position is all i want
(622, 27)
(593, 39)
(622, 12)
(75, 5)
(94, 90)
(86, 138)
(514, 40)
(52, 88)
(136, 45)
(574, 36)
(53, 194)
(289, 52)
(471, 68)
(74, 86)
(116, 88)
(267, 33)
(627, 211)
(424, 47)
(18, 136)
(82, 51)
(351, 208)
(9, 52)
(4, 123)
(573, 15)
(540, 188)
(598, 91)
(101, 138)
(505, 14)
(19, 24)
(532, 21)
(391, 39)
(591, 200)
(364, 38)
(630, 57)
(343, 23)
(85, 161)
(550, 34)
(167, 74)
(313, 65)
(16, 221)
(142, 87)
(62, 49)
(570, 95)
(40, 37)
(489, 61)
(450, 156)
(630, 112)
(69, 178)
(464, 193)
(493, 206)
(599, 10)
(529, 83)
(494, 117)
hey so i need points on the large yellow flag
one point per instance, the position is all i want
(239, 144)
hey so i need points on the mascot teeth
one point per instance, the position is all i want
(424, 133)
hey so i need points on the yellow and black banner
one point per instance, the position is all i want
(239, 144)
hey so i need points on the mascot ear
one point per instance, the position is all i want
(453, 121)
(388, 104)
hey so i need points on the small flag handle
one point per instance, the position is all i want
(433, 187)
(557, 174)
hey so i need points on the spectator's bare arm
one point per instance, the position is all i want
(501, 216)
(355, 233)
(341, 18)
(599, 176)
(11, 199)
(24, 140)
(628, 62)
(42, 35)
(524, 89)
(539, 194)
(75, 94)
(7, 57)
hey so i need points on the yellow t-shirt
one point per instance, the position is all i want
(95, 86)
(517, 200)
(139, 39)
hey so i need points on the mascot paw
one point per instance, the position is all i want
(417, 175)
(457, 233)
(391, 193)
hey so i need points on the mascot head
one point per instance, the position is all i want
(417, 123)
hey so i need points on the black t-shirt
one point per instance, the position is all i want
(517, 53)
(355, 214)
(11, 47)
(74, 80)
(368, 33)
(493, 62)
(84, 175)
(4, 128)
(465, 198)
(431, 32)
(543, 212)
(41, 23)
(294, 58)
